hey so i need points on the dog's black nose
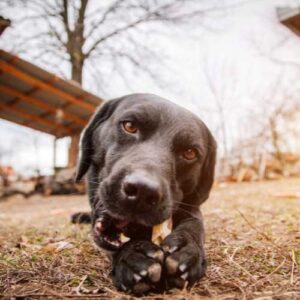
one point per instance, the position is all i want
(142, 189)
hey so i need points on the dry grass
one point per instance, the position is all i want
(253, 246)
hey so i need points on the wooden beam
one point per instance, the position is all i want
(50, 81)
(42, 105)
(7, 68)
(31, 117)
(54, 154)
(73, 150)
(35, 127)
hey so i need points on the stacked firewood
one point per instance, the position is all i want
(263, 168)
(60, 184)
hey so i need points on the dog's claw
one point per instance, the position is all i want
(143, 273)
(137, 277)
(184, 276)
(182, 267)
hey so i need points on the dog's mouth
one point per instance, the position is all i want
(112, 234)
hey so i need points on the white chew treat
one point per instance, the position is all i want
(124, 238)
(160, 231)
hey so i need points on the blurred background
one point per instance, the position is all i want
(236, 64)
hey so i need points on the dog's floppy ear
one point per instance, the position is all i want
(208, 170)
(86, 145)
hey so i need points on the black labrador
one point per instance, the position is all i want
(147, 160)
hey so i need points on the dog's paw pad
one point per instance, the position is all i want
(172, 265)
(141, 288)
(178, 282)
(137, 277)
(154, 272)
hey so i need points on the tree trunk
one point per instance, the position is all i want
(77, 68)
(75, 46)
(276, 144)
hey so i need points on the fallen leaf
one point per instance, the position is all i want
(57, 247)
(288, 195)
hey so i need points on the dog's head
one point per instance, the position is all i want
(145, 156)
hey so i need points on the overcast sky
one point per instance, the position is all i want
(234, 49)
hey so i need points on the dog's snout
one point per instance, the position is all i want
(141, 189)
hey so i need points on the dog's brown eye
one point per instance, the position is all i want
(189, 154)
(129, 127)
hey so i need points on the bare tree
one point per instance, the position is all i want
(81, 32)
(277, 111)
(103, 36)
(222, 80)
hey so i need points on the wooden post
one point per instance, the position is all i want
(54, 154)
(73, 150)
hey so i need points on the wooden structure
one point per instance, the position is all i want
(33, 97)
(4, 23)
(290, 17)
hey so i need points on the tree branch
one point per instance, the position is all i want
(113, 33)
(110, 9)
(65, 17)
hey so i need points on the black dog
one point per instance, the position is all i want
(148, 160)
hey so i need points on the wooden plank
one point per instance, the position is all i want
(73, 150)
(31, 117)
(42, 105)
(13, 71)
(35, 127)
(293, 23)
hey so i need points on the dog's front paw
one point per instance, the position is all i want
(137, 267)
(185, 261)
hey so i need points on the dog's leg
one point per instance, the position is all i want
(137, 267)
(81, 218)
(185, 261)
(88, 217)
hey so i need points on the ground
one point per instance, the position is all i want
(252, 243)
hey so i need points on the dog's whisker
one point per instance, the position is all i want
(185, 211)
(186, 204)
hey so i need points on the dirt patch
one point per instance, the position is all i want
(253, 247)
